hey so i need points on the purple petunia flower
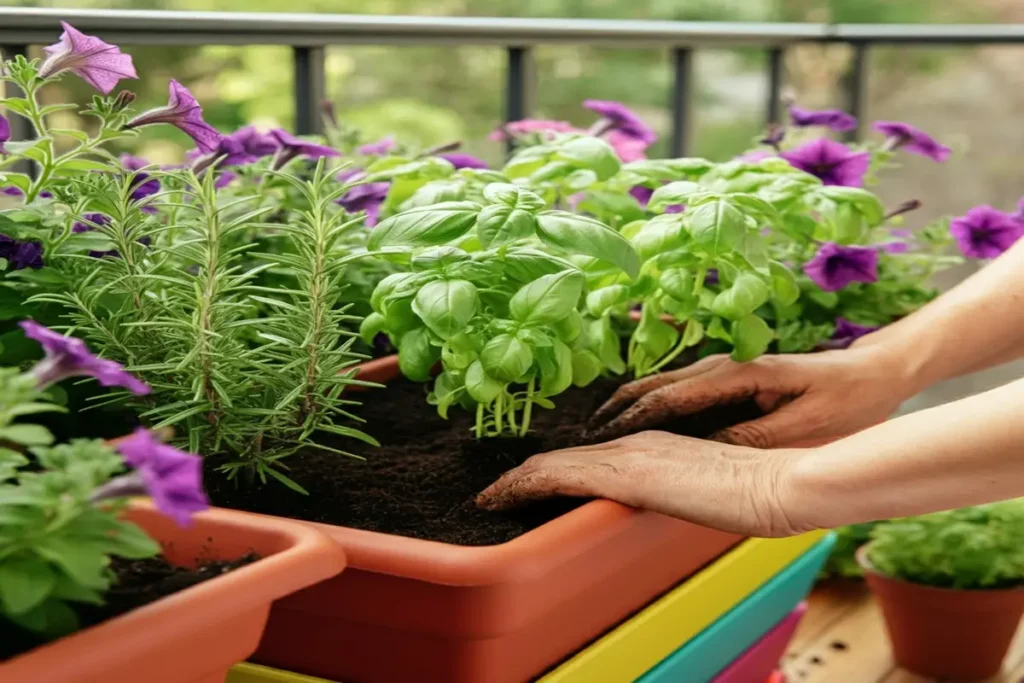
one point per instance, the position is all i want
(244, 146)
(525, 127)
(12, 191)
(143, 185)
(711, 277)
(846, 333)
(985, 232)
(903, 135)
(99, 64)
(378, 149)
(69, 357)
(21, 255)
(183, 112)
(833, 162)
(5, 132)
(642, 194)
(1018, 215)
(460, 160)
(833, 119)
(835, 266)
(366, 197)
(627, 148)
(617, 116)
(91, 220)
(173, 478)
(223, 179)
(291, 147)
(756, 155)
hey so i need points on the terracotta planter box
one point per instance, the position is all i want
(414, 610)
(197, 634)
(957, 635)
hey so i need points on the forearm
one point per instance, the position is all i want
(963, 453)
(976, 325)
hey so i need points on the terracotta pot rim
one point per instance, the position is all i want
(865, 564)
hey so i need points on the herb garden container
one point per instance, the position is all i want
(950, 634)
(410, 609)
(197, 634)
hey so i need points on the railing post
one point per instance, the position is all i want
(309, 89)
(519, 82)
(681, 100)
(21, 128)
(775, 77)
(855, 87)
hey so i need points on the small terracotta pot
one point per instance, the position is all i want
(408, 609)
(195, 635)
(958, 635)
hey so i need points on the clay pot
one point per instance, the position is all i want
(959, 635)
(195, 635)
(414, 610)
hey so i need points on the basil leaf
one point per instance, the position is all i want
(659, 235)
(513, 196)
(717, 226)
(672, 194)
(785, 289)
(604, 343)
(586, 367)
(458, 352)
(425, 226)
(506, 358)
(446, 306)
(746, 295)
(678, 283)
(593, 154)
(501, 224)
(437, 258)
(555, 363)
(397, 286)
(480, 385)
(569, 328)
(655, 335)
(547, 299)
(600, 301)
(750, 337)
(581, 235)
(526, 265)
(371, 326)
(416, 355)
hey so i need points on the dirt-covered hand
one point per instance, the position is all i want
(809, 399)
(731, 488)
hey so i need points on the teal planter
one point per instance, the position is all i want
(715, 648)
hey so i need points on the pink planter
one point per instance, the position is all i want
(758, 662)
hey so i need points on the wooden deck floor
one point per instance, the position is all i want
(842, 640)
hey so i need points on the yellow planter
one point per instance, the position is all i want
(639, 644)
(636, 646)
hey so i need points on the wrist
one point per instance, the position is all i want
(905, 364)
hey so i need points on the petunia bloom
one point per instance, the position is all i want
(366, 197)
(846, 333)
(173, 478)
(379, 148)
(12, 191)
(460, 160)
(291, 147)
(833, 162)
(183, 112)
(21, 255)
(99, 64)
(626, 147)
(89, 221)
(244, 146)
(524, 127)
(143, 184)
(69, 357)
(5, 132)
(835, 266)
(903, 135)
(617, 116)
(985, 232)
(833, 119)
(643, 196)
(756, 155)
(1019, 213)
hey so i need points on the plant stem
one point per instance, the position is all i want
(527, 410)
(498, 408)
(479, 420)
(680, 346)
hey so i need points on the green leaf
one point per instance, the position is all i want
(622, 207)
(716, 330)
(604, 343)
(425, 226)
(586, 236)
(436, 192)
(547, 299)
(717, 226)
(130, 541)
(659, 235)
(506, 358)
(397, 286)
(416, 355)
(481, 387)
(655, 335)
(593, 154)
(458, 352)
(678, 283)
(748, 293)
(446, 306)
(513, 196)
(84, 562)
(569, 328)
(438, 258)
(586, 367)
(556, 366)
(25, 581)
(526, 265)
(785, 289)
(501, 224)
(672, 194)
(600, 301)
(371, 326)
(27, 435)
(447, 388)
(692, 333)
(865, 202)
(750, 337)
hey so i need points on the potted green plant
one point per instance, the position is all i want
(950, 587)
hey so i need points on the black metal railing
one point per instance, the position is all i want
(310, 34)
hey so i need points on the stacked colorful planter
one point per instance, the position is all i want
(729, 623)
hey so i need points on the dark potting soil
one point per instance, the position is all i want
(423, 479)
(139, 582)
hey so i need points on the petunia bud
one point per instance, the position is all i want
(123, 100)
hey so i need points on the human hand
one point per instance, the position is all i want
(730, 488)
(810, 399)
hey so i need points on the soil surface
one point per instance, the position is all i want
(423, 479)
(138, 583)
